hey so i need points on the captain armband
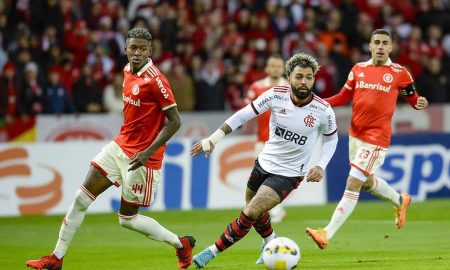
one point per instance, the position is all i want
(409, 90)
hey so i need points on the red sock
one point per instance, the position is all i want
(235, 231)
(263, 225)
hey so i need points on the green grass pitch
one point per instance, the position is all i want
(369, 239)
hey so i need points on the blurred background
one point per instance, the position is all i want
(61, 76)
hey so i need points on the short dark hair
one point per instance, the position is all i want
(140, 32)
(381, 31)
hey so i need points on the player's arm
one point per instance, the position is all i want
(330, 140)
(410, 94)
(236, 120)
(256, 107)
(171, 126)
(346, 93)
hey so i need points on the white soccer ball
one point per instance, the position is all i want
(281, 253)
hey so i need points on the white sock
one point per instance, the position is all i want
(150, 228)
(270, 237)
(342, 212)
(73, 220)
(214, 249)
(382, 190)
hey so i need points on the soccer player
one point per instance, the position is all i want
(274, 69)
(133, 159)
(374, 86)
(297, 120)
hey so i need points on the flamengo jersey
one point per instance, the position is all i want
(294, 130)
(375, 91)
(146, 95)
(256, 89)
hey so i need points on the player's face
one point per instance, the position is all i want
(302, 81)
(138, 50)
(275, 68)
(380, 47)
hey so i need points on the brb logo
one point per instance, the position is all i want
(290, 136)
(418, 170)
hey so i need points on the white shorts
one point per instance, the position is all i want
(138, 186)
(365, 157)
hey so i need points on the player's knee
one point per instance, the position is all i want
(368, 185)
(127, 221)
(252, 211)
(82, 200)
(355, 180)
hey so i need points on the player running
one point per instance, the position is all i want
(374, 86)
(274, 69)
(297, 120)
(133, 159)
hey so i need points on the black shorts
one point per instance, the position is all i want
(282, 185)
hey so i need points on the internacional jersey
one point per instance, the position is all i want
(146, 95)
(374, 90)
(294, 130)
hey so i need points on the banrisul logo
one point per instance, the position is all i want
(290, 136)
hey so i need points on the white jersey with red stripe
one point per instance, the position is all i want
(294, 130)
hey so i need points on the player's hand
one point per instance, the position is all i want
(421, 103)
(204, 145)
(138, 160)
(315, 174)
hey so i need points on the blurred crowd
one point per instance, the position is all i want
(67, 56)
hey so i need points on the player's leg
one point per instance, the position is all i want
(376, 185)
(362, 157)
(130, 218)
(264, 199)
(139, 190)
(94, 185)
(283, 186)
(277, 213)
(342, 212)
(380, 188)
(263, 223)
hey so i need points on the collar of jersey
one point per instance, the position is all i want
(388, 62)
(144, 68)
(303, 104)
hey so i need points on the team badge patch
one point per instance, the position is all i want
(388, 78)
(309, 121)
(350, 76)
(135, 89)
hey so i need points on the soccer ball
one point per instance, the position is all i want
(281, 253)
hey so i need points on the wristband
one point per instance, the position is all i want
(216, 136)
(205, 145)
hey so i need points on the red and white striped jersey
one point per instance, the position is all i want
(146, 95)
